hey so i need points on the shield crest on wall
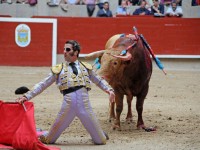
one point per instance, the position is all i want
(22, 35)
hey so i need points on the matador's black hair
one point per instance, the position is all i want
(75, 45)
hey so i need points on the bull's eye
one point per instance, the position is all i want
(115, 63)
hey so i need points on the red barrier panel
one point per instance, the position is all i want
(37, 53)
(167, 36)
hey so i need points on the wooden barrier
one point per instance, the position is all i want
(40, 50)
(167, 36)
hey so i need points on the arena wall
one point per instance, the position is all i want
(168, 37)
(41, 51)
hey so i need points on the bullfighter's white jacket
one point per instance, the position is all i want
(63, 75)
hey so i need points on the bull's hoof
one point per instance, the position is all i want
(142, 126)
(116, 127)
(111, 119)
(129, 120)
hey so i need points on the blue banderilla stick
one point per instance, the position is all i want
(97, 63)
(158, 62)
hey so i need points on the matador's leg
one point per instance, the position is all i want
(88, 118)
(64, 118)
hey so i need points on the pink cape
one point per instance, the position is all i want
(17, 127)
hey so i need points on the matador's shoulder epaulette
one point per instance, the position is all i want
(57, 68)
(86, 65)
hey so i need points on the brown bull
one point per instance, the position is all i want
(128, 73)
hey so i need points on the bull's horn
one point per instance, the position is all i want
(94, 54)
(127, 57)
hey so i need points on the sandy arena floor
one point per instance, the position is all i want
(172, 105)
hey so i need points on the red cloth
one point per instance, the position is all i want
(17, 127)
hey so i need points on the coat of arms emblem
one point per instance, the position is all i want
(22, 35)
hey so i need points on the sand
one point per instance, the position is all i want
(172, 105)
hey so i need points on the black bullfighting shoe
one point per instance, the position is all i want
(107, 137)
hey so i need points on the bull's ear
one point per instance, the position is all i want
(127, 57)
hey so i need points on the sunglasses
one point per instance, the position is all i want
(67, 49)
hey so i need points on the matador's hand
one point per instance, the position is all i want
(111, 96)
(21, 99)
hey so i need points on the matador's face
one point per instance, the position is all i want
(69, 54)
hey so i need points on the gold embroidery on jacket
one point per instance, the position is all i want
(69, 79)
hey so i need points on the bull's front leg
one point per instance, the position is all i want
(129, 117)
(139, 107)
(119, 108)
(112, 112)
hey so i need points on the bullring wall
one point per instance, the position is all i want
(167, 37)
